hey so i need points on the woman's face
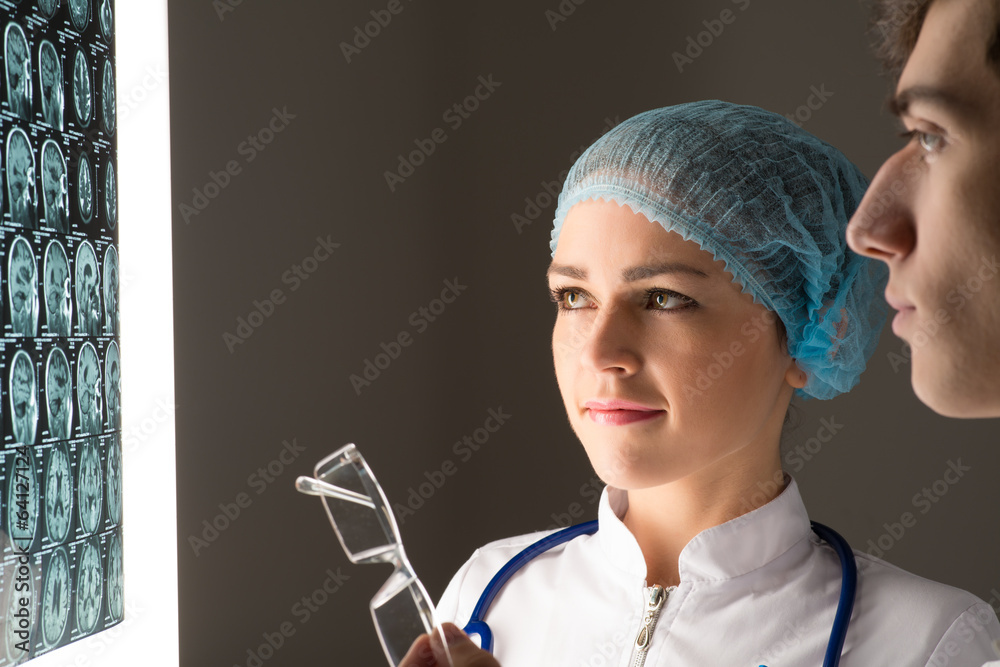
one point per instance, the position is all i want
(649, 318)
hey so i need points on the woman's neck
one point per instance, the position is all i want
(665, 518)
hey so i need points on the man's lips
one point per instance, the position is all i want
(906, 312)
(618, 412)
(897, 303)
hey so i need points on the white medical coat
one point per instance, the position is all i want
(761, 589)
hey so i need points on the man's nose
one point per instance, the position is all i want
(883, 226)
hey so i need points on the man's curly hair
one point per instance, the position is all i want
(896, 25)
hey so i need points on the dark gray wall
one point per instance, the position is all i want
(323, 176)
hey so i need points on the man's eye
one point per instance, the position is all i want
(930, 142)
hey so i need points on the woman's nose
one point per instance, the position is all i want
(883, 226)
(610, 344)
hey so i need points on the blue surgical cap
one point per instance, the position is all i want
(769, 200)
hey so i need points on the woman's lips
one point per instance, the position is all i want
(616, 412)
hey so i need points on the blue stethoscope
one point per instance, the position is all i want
(848, 585)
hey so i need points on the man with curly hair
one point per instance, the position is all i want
(932, 212)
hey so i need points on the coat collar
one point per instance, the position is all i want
(731, 549)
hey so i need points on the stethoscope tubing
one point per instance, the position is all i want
(841, 621)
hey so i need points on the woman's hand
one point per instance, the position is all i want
(427, 651)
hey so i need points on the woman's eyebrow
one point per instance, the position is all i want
(631, 274)
(568, 271)
(642, 272)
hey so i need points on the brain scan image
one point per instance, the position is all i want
(79, 13)
(115, 480)
(13, 603)
(115, 578)
(23, 399)
(108, 96)
(111, 196)
(22, 499)
(55, 187)
(113, 386)
(48, 7)
(85, 188)
(17, 57)
(22, 284)
(55, 597)
(112, 316)
(20, 179)
(89, 587)
(59, 394)
(83, 88)
(58, 291)
(58, 494)
(88, 390)
(107, 19)
(88, 291)
(50, 74)
(89, 486)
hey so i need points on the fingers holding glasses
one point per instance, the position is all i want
(429, 651)
(421, 654)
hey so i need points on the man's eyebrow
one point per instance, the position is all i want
(631, 274)
(900, 103)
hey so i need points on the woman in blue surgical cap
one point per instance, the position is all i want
(701, 278)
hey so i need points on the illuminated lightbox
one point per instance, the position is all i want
(60, 362)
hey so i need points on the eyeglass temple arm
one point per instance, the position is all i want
(315, 487)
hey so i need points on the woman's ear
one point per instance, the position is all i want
(795, 376)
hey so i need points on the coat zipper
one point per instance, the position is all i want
(657, 598)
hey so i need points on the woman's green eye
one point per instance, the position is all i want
(667, 301)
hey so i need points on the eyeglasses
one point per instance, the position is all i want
(364, 523)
